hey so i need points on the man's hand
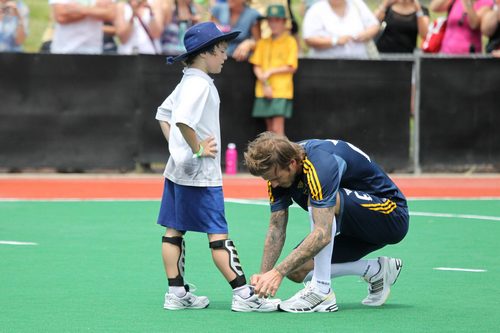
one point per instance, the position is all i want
(267, 284)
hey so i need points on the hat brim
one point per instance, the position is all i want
(270, 17)
(225, 37)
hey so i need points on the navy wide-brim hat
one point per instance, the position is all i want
(202, 35)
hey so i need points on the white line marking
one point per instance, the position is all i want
(16, 243)
(262, 203)
(446, 215)
(460, 269)
(459, 216)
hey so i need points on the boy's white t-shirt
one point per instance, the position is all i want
(84, 36)
(321, 20)
(194, 102)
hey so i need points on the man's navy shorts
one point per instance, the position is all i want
(367, 223)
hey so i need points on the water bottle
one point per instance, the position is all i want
(231, 159)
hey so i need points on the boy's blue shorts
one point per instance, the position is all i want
(190, 208)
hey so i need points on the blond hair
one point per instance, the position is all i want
(270, 150)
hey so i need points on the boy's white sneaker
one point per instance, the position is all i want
(379, 285)
(310, 300)
(188, 301)
(254, 304)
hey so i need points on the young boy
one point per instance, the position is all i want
(192, 198)
(275, 61)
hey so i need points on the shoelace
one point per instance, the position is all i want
(190, 287)
(308, 289)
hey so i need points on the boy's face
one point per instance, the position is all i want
(277, 25)
(215, 60)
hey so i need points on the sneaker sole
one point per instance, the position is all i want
(319, 308)
(253, 310)
(399, 272)
(187, 308)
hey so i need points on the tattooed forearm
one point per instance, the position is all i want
(313, 243)
(275, 240)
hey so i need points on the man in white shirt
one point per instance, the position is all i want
(79, 23)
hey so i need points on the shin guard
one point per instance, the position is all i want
(178, 281)
(234, 260)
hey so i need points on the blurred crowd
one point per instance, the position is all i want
(322, 28)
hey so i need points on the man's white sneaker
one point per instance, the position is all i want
(379, 285)
(254, 304)
(188, 301)
(310, 300)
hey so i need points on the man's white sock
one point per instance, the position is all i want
(322, 267)
(365, 268)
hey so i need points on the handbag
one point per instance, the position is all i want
(435, 34)
(372, 50)
(434, 37)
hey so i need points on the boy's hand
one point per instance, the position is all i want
(209, 147)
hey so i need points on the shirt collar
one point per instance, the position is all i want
(197, 72)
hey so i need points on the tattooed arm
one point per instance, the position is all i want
(313, 243)
(269, 282)
(275, 240)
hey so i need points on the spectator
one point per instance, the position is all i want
(237, 15)
(463, 33)
(291, 23)
(275, 61)
(179, 15)
(339, 29)
(404, 21)
(78, 25)
(14, 17)
(305, 5)
(490, 27)
(139, 24)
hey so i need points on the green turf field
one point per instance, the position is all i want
(97, 268)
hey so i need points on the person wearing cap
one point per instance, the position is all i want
(275, 60)
(192, 197)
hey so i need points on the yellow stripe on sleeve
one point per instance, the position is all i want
(270, 192)
(313, 180)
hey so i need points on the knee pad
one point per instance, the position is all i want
(234, 260)
(178, 281)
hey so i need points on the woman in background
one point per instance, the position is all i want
(405, 20)
(463, 33)
(237, 15)
(339, 29)
(13, 25)
(179, 15)
(139, 24)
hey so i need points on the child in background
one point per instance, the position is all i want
(275, 60)
(192, 198)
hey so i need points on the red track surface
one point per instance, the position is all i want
(150, 187)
